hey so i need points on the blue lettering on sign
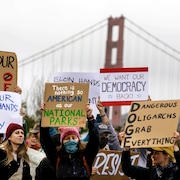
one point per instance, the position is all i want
(9, 107)
(6, 97)
(2, 125)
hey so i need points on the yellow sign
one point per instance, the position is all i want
(151, 124)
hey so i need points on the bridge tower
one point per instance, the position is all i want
(115, 47)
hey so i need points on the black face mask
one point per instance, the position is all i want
(104, 141)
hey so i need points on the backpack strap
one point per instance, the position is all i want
(86, 166)
(57, 162)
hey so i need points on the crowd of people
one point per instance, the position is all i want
(60, 153)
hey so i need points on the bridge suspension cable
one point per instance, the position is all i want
(64, 43)
(155, 38)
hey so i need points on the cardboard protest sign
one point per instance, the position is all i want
(151, 124)
(8, 71)
(109, 167)
(10, 105)
(121, 86)
(65, 104)
(81, 77)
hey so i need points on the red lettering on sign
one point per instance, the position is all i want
(6, 86)
(8, 76)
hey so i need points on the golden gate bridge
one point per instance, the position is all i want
(87, 52)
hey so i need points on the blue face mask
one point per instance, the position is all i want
(71, 146)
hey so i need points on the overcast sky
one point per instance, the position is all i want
(27, 27)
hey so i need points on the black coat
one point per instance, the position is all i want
(171, 172)
(71, 166)
(7, 171)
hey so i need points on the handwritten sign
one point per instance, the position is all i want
(121, 86)
(81, 77)
(8, 71)
(65, 104)
(151, 124)
(10, 105)
(109, 167)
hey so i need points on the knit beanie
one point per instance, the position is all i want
(65, 131)
(11, 128)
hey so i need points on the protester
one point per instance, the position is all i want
(113, 141)
(71, 160)
(108, 136)
(164, 168)
(32, 139)
(34, 151)
(143, 152)
(14, 161)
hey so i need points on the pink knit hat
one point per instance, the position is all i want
(11, 128)
(65, 131)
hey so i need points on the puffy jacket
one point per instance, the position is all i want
(7, 171)
(71, 166)
(170, 172)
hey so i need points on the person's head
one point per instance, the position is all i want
(15, 143)
(70, 138)
(162, 155)
(32, 140)
(15, 133)
(104, 135)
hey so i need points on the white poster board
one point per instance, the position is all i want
(80, 77)
(10, 105)
(121, 86)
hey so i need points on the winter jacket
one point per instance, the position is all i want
(7, 171)
(170, 172)
(71, 166)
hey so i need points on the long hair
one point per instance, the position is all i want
(171, 159)
(21, 152)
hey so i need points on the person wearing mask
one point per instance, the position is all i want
(72, 159)
(14, 161)
(104, 124)
(166, 164)
(104, 136)
(113, 141)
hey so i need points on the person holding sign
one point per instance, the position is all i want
(106, 129)
(166, 163)
(113, 141)
(72, 159)
(14, 161)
